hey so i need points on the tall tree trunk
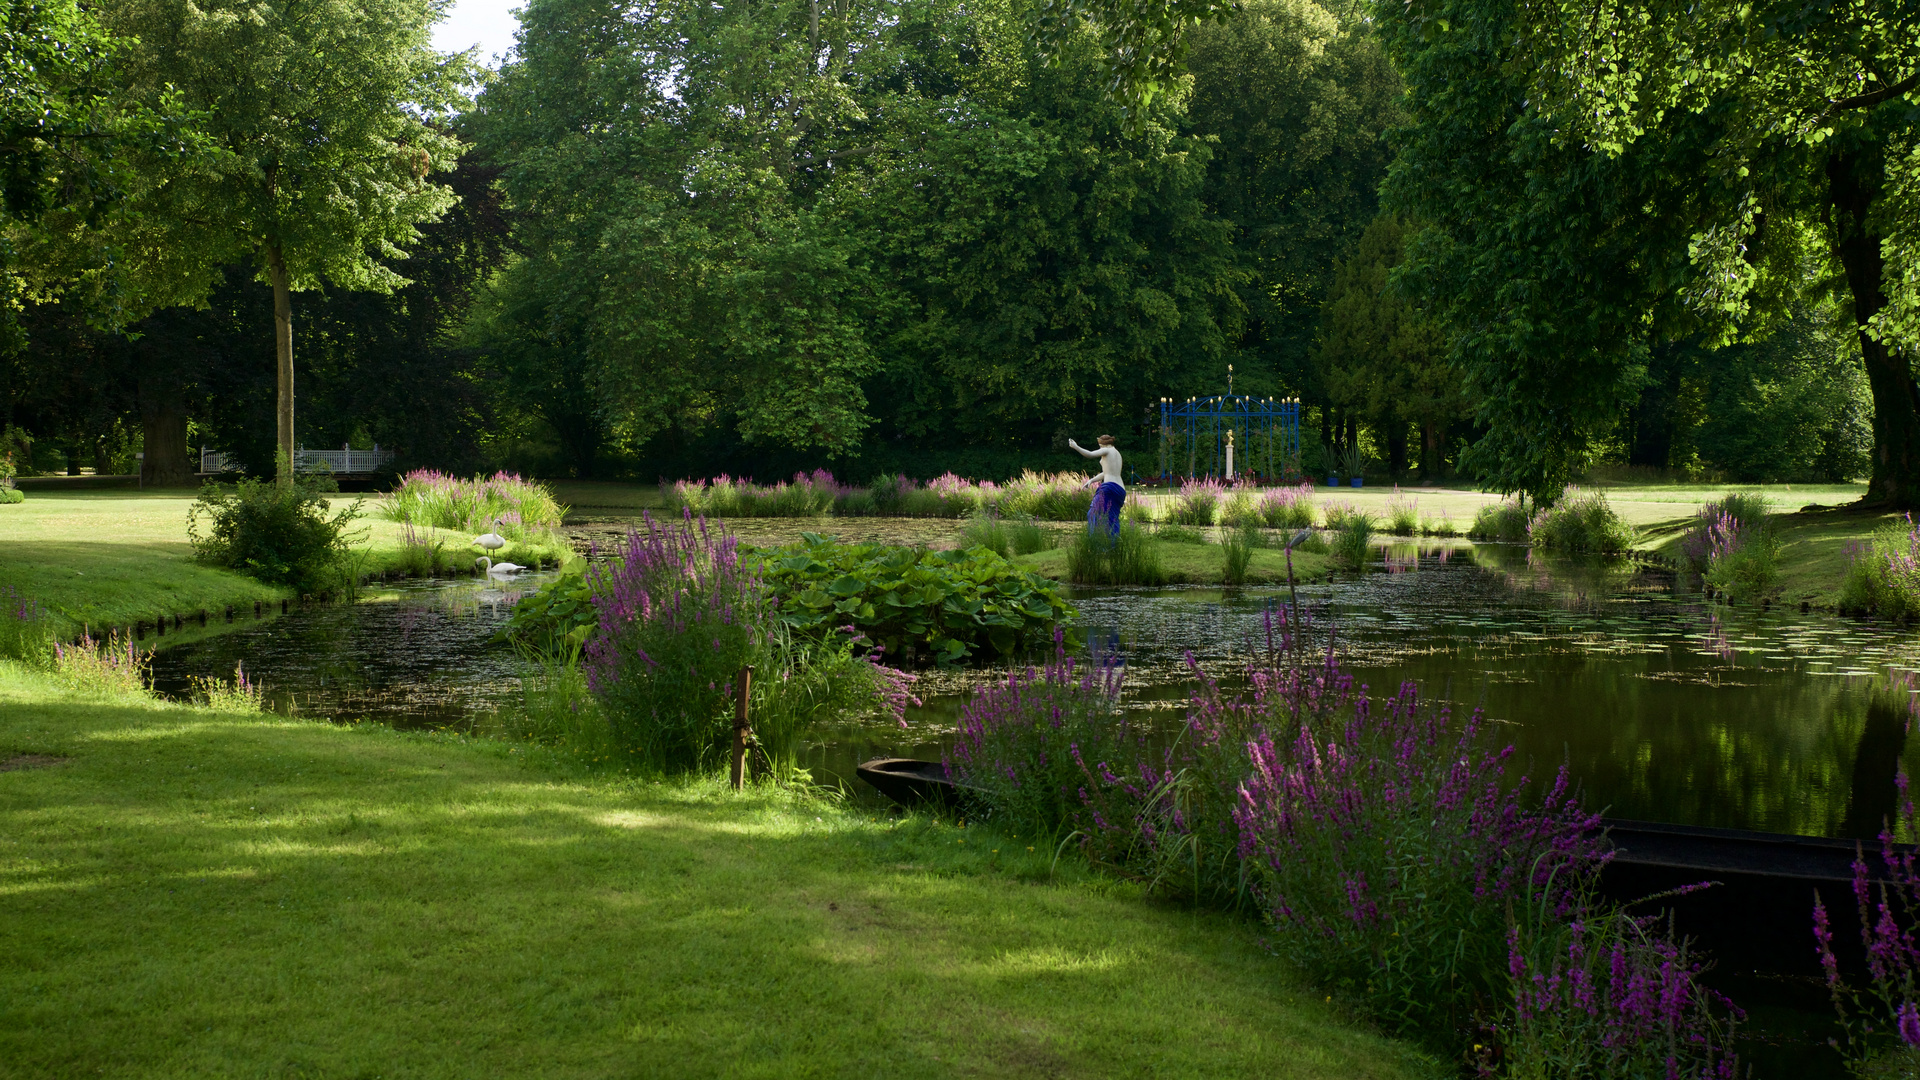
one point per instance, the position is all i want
(283, 349)
(1853, 181)
(1430, 436)
(163, 425)
(1396, 447)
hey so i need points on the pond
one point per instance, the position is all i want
(1664, 706)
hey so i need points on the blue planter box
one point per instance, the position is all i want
(1333, 481)
(1356, 481)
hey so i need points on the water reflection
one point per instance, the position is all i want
(1665, 706)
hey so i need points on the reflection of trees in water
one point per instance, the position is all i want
(1573, 581)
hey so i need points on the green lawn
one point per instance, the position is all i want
(108, 558)
(192, 894)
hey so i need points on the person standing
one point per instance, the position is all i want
(1109, 494)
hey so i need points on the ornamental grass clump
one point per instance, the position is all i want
(1287, 507)
(1883, 575)
(807, 495)
(427, 497)
(1027, 537)
(985, 531)
(1881, 1022)
(1581, 523)
(1403, 514)
(1236, 552)
(1743, 561)
(1060, 496)
(1099, 558)
(1504, 521)
(1197, 502)
(1353, 538)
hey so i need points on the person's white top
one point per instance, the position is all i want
(1109, 464)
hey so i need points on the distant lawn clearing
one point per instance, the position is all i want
(197, 894)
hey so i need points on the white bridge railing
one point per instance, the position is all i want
(345, 460)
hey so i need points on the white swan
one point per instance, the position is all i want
(492, 541)
(488, 566)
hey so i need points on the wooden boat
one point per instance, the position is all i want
(912, 782)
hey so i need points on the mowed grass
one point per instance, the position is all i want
(109, 558)
(196, 894)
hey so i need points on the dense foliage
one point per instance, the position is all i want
(503, 503)
(281, 534)
(945, 606)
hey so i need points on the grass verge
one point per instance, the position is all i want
(1197, 564)
(191, 893)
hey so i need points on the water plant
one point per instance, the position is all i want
(1505, 521)
(1883, 574)
(1439, 524)
(237, 695)
(1882, 1022)
(1196, 503)
(1353, 538)
(1127, 559)
(1403, 514)
(946, 606)
(422, 552)
(435, 499)
(1287, 507)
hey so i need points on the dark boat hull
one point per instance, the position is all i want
(914, 783)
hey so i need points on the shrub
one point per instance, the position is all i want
(1097, 558)
(985, 531)
(1581, 523)
(946, 605)
(10, 495)
(1353, 540)
(1403, 515)
(1236, 550)
(1196, 503)
(278, 533)
(1287, 507)
(435, 499)
(110, 668)
(1505, 521)
(1883, 576)
(24, 633)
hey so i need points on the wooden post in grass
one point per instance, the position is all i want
(742, 725)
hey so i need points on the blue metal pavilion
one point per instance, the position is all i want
(1193, 437)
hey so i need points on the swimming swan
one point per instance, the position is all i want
(488, 566)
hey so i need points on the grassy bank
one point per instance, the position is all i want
(188, 893)
(110, 558)
(1814, 548)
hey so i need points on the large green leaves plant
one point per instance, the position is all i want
(950, 605)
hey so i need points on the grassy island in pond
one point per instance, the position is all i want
(185, 892)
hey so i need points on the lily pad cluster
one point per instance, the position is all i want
(948, 605)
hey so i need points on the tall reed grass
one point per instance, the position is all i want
(1127, 559)
(1236, 551)
(1403, 514)
(110, 668)
(24, 632)
(1505, 521)
(1353, 540)
(1197, 502)
(807, 495)
(1287, 507)
(520, 507)
(1581, 523)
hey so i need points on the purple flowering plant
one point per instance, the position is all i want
(24, 633)
(1884, 1018)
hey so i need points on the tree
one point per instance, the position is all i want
(1381, 356)
(320, 112)
(1813, 169)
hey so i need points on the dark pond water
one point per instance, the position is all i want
(1664, 705)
